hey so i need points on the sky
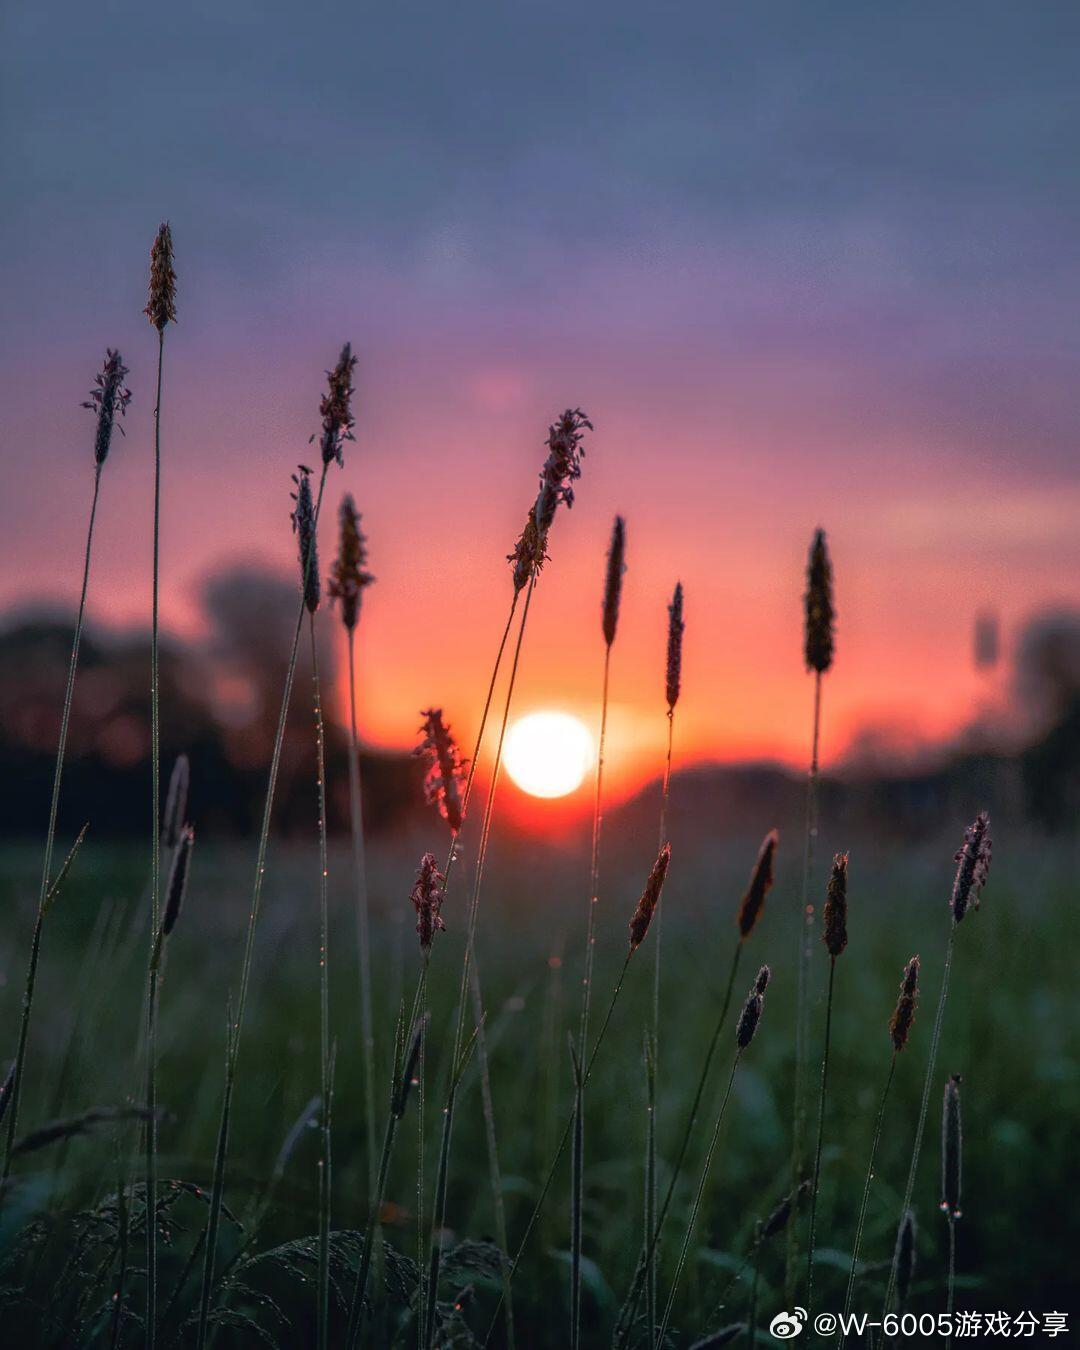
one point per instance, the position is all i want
(802, 265)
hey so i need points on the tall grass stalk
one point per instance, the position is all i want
(860, 1223)
(640, 922)
(816, 1178)
(438, 1215)
(899, 1030)
(363, 926)
(652, 1239)
(494, 1171)
(658, 1340)
(834, 936)
(236, 1023)
(585, 1074)
(819, 648)
(50, 842)
(804, 954)
(973, 859)
(951, 1166)
(673, 685)
(160, 310)
(935, 1039)
(325, 1173)
(348, 580)
(609, 625)
(745, 1030)
(398, 1095)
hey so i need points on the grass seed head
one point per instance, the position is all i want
(752, 1009)
(676, 627)
(108, 397)
(761, 880)
(904, 1012)
(778, 1219)
(819, 606)
(616, 566)
(349, 574)
(427, 897)
(561, 470)
(303, 519)
(973, 858)
(161, 304)
(650, 898)
(178, 876)
(834, 917)
(444, 782)
(951, 1149)
(335, 409)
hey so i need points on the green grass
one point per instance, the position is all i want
(1010, 1031)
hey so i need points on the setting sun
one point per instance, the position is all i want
(547, 754)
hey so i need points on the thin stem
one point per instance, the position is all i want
(856, 1249)
(515, 1265)
(155, 880)
(439, 1205)
(802, 1016)
(697, 1203)
(494, 1173)
(150, 1140)
(421, 1193)
(50, 840)
(356, 1311)
(363, 928)
(931, 1060)
(594, 867)
(467, 793)
(820, 1139)
(952, 1279)
(650, 1144)
(324, 1009)
(360, 1288)
(652, 1239)
(233, 1048)
(578, 1169)
(122, 1223)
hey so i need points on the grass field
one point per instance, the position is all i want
(1010, 1030)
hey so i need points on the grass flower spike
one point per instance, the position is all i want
(349, 575)
(427, 897)
(761, 880)
(161, 303)
(650, 898)
(303, 519)
(108, 397)
(444, 782)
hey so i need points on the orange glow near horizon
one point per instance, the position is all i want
(729, 512)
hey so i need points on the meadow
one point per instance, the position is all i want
(1010, 1032)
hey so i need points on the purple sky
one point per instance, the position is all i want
(804, 264)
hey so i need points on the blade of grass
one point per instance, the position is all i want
(50, 839)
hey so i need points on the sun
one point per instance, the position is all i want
(548, 754)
